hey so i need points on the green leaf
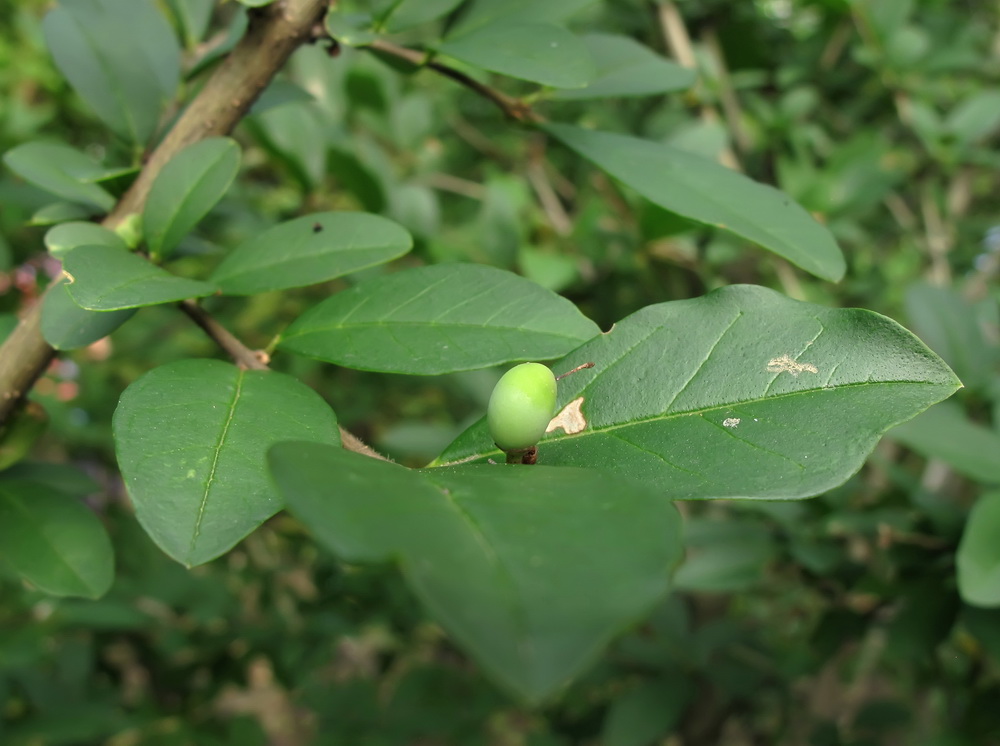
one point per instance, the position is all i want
(439, 319)
(58, 212)
(945, 432)
(66, 326)
(53, 540)
(63, 238)
(978, 556)
(951, 326)
(724, 556)
(309, 250)
(104, 278)
(704, 191)
(975, 117)
(351, 29)
(740, 393)
(60, 170)
(121, 56)
(479, 13)
(193, 17)
(508, 559)
(646, 714)
(540, 52)
(186, 190)
(404, 14)
(191, 438)
(624, 67)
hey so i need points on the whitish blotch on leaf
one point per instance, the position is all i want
(570, 419)
(785, 364)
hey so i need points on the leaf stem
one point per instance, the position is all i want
(514, 108)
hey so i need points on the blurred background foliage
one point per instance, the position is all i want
(832, 622)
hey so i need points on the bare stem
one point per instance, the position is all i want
(512, 107)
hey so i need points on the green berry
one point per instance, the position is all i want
(521, 406)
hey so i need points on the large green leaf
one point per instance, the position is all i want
(186, 189)
(66, 326)
(510, 559)
(624, 67)
(121, 56)
(707, 192)
(59, 170)
(105, 278)
(53, 540)
(740, 393)
(311, 249)
(439, 319)
(404, 14)
(945, 432)
(479, 13)
(63, 238)
(978, 556)
(191, 438)
(540, 52)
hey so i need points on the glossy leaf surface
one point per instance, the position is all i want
(508, 559)
(53, 540)
(439, 319)
(186, 190)
(709, 193)
(740, 393)
(191, 437)
(309, 250)
(105, 278)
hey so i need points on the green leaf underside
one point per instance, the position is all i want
(309, 250)
(945, 432)
(66, 326)
(538, 52)
(508, 559)
(186, 189)
(624, 68)
(978, 556)
(105, 278)
(439, 319)
(53, 540)
(63, 238)
(709, 193)
(742, 393)
(191, 439)
(121, 57)
(59, 170)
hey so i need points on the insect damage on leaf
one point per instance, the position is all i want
(570, 418)
(785, 364)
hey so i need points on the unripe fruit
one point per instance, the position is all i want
(521, 406)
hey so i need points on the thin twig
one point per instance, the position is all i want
(249, 359)
(512, 107)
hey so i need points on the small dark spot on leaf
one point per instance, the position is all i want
(317, 227)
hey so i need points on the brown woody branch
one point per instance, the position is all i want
(274, 32)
